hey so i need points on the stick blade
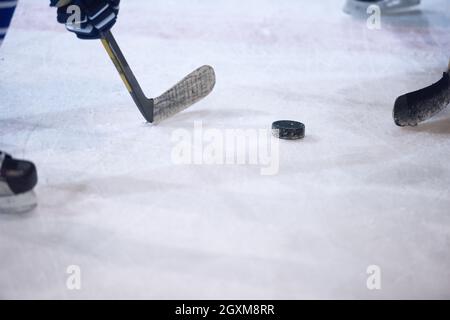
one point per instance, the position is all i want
(416, 107)
(187, 92)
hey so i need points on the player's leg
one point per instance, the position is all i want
(17, 177)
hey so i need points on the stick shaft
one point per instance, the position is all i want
(112, 48)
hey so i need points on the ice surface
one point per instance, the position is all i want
(358, 191)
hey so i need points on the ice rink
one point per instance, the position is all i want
(357, 191)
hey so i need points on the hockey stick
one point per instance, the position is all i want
(418, 106)
(188, 91)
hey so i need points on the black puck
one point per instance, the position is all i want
(288, 130)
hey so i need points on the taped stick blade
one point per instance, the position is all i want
(188, 91)
(418, 106)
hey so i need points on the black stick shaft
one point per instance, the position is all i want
(145, 105)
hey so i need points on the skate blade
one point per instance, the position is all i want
(20, 203)
(354, 7)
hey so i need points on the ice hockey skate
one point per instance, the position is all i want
(17, 181)
(386, 6)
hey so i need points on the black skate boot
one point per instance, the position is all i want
(17, 180)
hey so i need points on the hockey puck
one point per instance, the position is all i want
(288, 130)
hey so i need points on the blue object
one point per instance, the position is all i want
(7, 8)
